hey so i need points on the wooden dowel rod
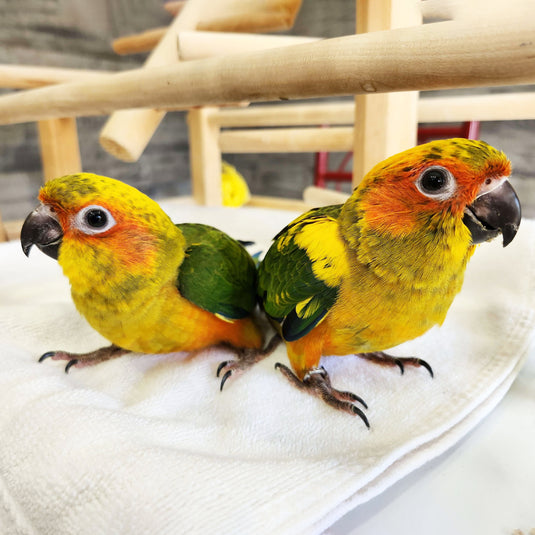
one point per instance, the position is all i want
(433, 56)
(491, 107)
(147, 40)
(230, 16)
(127, 132)
(337, 138)
(287, 115)
(139, 42)
(32, 76)
(250, 15)
(262, 21)
(199, 45)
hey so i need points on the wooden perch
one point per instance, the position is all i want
(433, 56)
(199, 45)
(337, 138)
(451, 109)
(31, 76)
(492, 107)
(237, 16)
(260, 21)
(138, 42)
(127, 133)
(287, 115)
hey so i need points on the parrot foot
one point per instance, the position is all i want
(246, 358)
(318, 383)
(80, 360)
(389, 360)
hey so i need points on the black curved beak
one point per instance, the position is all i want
(493, 213)
(42, 228)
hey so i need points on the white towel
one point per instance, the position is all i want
(148, 444)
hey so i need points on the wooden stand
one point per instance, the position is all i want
(60, 152)
(384, 124)
(205, 157)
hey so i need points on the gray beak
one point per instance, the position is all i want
(493, 213)
(42, 228)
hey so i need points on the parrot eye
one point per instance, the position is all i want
(94, 219)
(436, 182)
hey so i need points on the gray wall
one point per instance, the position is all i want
(77, 33)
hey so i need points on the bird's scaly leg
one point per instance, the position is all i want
(79, 360)
(246, 357)
(385, 359)
(318, 383)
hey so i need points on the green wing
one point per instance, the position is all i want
(299, 278)
(217, 274)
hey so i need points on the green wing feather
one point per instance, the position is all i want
(217, 274)
(289, 290)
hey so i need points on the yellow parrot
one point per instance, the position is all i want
(384, 267)
(144, 283)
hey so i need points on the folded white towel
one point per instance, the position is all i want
(148, 444)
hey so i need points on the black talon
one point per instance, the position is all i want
(70, 364)
(220, 367)
(400, 364)
(358, 412)
(46, 355)
(354, 398)
(224, 380)
(427, 367)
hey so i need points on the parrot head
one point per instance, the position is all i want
(91, 218)
(445, 182)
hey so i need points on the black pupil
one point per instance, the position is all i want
(96, 218)
(434, 180)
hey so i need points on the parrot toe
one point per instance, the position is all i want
(246, 358)
(79, 360)
(318, 383)
(384, 359)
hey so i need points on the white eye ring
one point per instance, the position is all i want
(436, 182)
(94, 219)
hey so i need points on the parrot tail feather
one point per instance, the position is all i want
(385, 359)
(79, 360)
(318, 383)
(246, 357)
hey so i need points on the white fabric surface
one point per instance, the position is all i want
(148, 444)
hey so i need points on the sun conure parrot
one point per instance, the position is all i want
(142, 282)
(385, 266)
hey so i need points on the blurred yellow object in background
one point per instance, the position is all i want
(235, 190)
